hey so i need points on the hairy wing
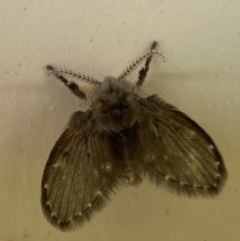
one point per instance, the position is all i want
(177, 152)
(78, 176)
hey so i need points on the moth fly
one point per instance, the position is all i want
(124, 135)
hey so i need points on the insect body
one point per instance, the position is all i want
(124, 134)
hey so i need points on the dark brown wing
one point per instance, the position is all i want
(177, 152)
(78, 176)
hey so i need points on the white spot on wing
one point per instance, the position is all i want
(106, 167)
(99, 193)
(217, 164)
(56, 165)
(167, 177)
(192, 133)
(211, 147)
(218, 175)
(95, 173)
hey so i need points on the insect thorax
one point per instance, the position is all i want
(115, 104)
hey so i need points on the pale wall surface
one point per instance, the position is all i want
(201, 43)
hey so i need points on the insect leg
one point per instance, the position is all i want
(73, 87)
(144, 70)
